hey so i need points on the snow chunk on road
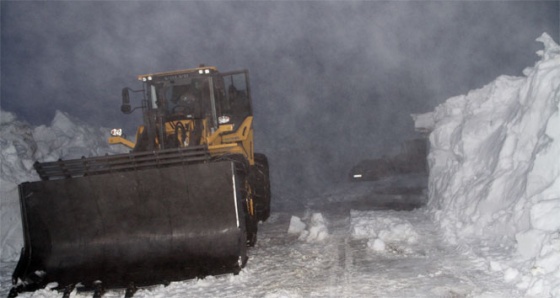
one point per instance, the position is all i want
(510, 274)
(296, 225)
(376, 244)
(316, 228)
(364, 224)
(381, 229)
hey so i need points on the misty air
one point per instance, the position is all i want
(280, 149)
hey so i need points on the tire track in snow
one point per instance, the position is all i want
(339, 273)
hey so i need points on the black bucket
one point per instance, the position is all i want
(144, 227)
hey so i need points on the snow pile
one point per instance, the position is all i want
(69, 138)
(315, 231)
(383, 230)
(495, 171)
(296, 226)
(21, 145)
(16, 165)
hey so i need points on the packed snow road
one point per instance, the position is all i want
(353, 249)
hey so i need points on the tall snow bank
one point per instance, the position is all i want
(495, 169)
(20, 146)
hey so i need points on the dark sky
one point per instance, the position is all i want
(333, 82)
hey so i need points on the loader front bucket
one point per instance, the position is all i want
(145, 227)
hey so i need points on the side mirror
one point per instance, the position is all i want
(125, 107)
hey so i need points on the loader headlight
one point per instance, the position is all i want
(223, 119)
(116, 132)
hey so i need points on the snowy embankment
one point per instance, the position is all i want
(21, 145)
(495, 172)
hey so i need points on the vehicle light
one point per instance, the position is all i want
(357, 175)
(207, 71)
(200, 71)
(116, 132)
(149, 78)
(144, 79)
(223, 119)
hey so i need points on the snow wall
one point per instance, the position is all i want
(494, 168)
(20, 146)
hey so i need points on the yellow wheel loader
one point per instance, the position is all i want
(184, 203)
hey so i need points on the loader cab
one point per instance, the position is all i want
(219, 98)
(183, 99)
(182, 107)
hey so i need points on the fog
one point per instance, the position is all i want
(333, 82)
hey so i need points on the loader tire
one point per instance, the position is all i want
(260, 181)
(252, 227)
(247, 193)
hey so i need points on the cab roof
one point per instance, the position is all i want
(198, 70)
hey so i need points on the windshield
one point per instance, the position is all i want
(184, 98)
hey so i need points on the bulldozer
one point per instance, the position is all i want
(185, 202)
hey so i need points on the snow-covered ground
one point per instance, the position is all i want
(490, 228)
(337, 252)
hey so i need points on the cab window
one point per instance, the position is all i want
(235, 101)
